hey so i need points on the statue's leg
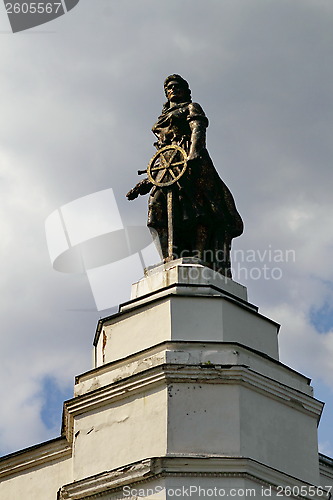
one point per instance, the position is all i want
(222, 262)
(201, 244)
(224, 266)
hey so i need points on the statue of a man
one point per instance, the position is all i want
(205, 218)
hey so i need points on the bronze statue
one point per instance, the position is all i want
(190, 208)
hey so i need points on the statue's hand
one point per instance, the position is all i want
(142, 188)
(132, 194)
(192, 164)
(192, 158)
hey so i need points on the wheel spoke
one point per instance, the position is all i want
(162, 177)
(177, 163)
(166, 163)
(172, 156)
(159, 168)
(171, 172)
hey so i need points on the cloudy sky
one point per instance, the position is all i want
(78, 97)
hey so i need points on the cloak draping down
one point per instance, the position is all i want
(200, 198)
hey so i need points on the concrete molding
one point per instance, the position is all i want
(326, 467)
(33, 457)
(182, 290)
(180, 466)
(197, 353)
(179, 373)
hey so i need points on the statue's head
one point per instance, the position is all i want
(182, 84)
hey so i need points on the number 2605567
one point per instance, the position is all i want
(33, 8)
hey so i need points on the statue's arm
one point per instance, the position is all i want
(142, 187)
(198, 123)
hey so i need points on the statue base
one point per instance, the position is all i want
(186, 275)
(183, 300)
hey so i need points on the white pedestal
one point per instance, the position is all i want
(187, 390)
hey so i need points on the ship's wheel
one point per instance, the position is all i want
(167, 166)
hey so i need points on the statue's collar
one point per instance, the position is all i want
(177, 106)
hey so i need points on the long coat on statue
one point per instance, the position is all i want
(205, 218)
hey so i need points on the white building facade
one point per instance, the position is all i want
(187, 398)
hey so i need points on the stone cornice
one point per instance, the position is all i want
(50, 451)
(177, 373)
(180, 344)
(140, 473)
(326, 466)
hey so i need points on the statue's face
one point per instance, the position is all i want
(175, 91)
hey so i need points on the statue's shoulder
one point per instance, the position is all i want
(195, 112)
(195, 107)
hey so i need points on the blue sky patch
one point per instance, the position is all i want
(322, 318)
(325, 430)
(53, 397)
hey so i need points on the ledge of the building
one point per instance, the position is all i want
(35, 456)
(179, 344)
(209, 466)
(325, 460)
